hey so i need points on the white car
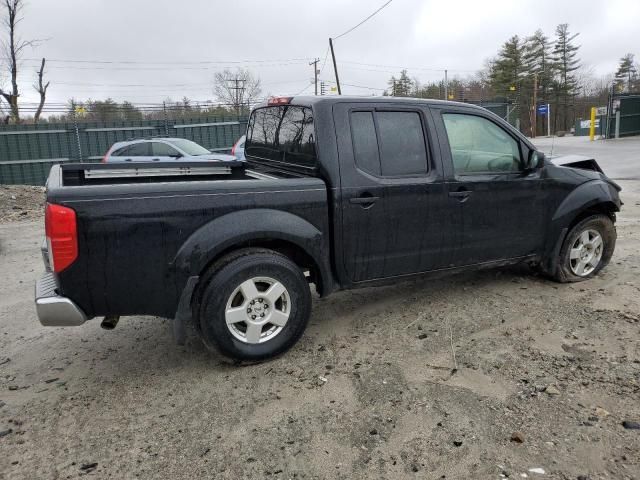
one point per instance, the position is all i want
(162, 150)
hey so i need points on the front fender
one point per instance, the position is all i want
(596, 195)
(240, 227)
(582, 198)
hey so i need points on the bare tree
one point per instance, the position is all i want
(12, 49)
(238, 89)
(41, 88)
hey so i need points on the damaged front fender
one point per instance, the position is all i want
(597, 196)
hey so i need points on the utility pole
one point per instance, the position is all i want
(238, 96)
(335, 68)
(315, 74)
(535, 106)
(446, 86)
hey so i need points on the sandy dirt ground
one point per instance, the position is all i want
(546, 375)
(20, 202)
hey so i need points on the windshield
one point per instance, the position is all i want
(189, 147)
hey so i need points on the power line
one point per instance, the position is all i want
(324, 62)
(168, 85)
(177, 62)
(357, 86)
(363, 21)
(159, 68)
(430, 69)
(300, 92)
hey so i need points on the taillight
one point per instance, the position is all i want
(106, 155)
(233, 149)
(62, 236)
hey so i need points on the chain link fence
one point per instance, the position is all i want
(27, 152)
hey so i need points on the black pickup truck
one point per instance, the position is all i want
(338, 192)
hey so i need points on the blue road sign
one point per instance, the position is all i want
(542, 109)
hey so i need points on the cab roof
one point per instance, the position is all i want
(311, 100)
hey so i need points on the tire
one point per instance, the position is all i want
(581, 248)
(243, 295)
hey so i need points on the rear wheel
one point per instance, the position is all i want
(587, 249)
(255, 306)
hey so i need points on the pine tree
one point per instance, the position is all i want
(626, 78)
(537, 58)
(508, 75)
(509, 68)
(393, 81)
(564, 57)
(401, 87)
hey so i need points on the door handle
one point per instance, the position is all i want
(127, 160)
(461, 195)
(365, 201)
(155, 159)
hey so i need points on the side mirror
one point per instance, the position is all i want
(176, 155)
(535, 160)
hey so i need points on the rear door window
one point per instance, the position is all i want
(365, 142)
(282, 134)
(402, 147)
(388, 143)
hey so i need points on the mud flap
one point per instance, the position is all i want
(555, 255)
(183, 314)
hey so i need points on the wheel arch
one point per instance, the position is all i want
(283, 232)
(592, 198)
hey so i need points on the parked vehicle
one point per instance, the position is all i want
(338, 192)
(238, 148)
(161, 150)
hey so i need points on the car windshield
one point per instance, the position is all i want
(189, 147)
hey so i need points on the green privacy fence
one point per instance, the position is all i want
(27, 152)
(626, 108)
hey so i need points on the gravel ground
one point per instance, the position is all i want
(21, 202)
(546, 375)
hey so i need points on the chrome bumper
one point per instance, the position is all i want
(53, 309)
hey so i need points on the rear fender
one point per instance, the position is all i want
(246, 226)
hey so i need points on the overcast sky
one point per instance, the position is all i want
(173, 46)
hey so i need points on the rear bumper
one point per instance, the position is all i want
(55, 310)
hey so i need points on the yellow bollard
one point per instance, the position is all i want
(592, 127)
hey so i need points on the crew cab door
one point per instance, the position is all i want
(500, 207)
(394, 220)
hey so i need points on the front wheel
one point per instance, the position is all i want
(587, 249)
(255, 306)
